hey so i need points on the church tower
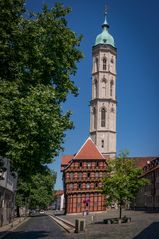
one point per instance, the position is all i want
(103, 102)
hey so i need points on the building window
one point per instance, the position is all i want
(87, 195)
(88, 175)
(111, 88)
(95, 88)
(88, 165)
(80, 175)
(95, 118)
(104, 64)
(80, 164)
(71, 175)
(79, 186)
(97, 164)
(96, 185)
(71, 186)
(102, 143)
(103, 117)
(88, 185)
(104, 81)
(112, 61)
(97, 64)
(78, 205)
(97, 174)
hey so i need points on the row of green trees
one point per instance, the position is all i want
(38, 56)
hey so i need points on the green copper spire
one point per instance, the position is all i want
(105, 37)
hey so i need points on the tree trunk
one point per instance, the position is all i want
(120, 211)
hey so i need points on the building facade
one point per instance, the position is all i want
(148, 196)
(103, 102)
(82, 179)
(8, 181)
(59, 201)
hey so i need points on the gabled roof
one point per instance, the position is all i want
(66, 159)
(88, 151)
(142, 161)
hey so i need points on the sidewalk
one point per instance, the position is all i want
(4, 230)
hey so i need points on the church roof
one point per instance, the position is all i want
(89, 151)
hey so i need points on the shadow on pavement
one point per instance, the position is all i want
(151, 232)
(27, 235)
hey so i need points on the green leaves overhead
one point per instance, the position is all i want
(38, 54)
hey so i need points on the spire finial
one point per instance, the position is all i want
(105, 24)
(106, 11)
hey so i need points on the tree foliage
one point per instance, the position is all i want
(38, 55)
(122, 181)
(37, 193)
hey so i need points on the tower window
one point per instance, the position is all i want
(104, 81)
(111, 88)
(97, 67)
(95, 118)
(104, 64)
(102, 143)
(103, 117)
(95, 88)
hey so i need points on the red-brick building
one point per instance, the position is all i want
(82, 179)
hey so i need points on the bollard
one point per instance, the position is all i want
(80, 225)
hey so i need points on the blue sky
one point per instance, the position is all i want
(135, 28)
